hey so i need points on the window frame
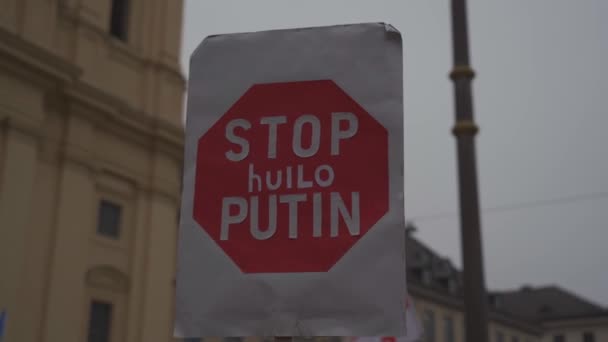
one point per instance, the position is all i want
(105, 200)
(121, 193)
(500, 336)
(124, 23)
(118, 322)
(429, 317)
(109, 319)
(449, 335)
(587, 334)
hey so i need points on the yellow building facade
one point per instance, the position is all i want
(435, 286)
(447, 315)
(593, 328)
(91, 151)
(528, 314)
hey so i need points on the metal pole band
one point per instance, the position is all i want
(465, 127)
(462, 71)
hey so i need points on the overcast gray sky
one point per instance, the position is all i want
(541, 100)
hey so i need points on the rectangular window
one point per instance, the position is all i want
(426, 277)
(429, 326)
(448, 326)
(100, 317)
(559, 338)
(452, 286)
(119, 16)
(588, 337)
(108, 221)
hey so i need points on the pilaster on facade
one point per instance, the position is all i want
(88, 120)
(17, 193)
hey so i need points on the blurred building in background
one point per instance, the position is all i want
(90, 155)
(562, 316)
(435, 285)
(544, 314)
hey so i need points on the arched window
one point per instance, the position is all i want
(107, 289)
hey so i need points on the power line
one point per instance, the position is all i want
(520, 206)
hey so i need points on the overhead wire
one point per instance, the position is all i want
(519, 206)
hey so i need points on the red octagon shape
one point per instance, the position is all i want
(224, 188)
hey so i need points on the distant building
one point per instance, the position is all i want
(91, 148)
(546, 314)
(563, 316)
(436, 288)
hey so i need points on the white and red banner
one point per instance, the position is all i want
(292, 201)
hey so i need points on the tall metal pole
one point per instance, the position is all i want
(476, 322)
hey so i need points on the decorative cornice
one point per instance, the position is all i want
(66, 95)
(20, 123)
(171, 70)
(142, 182)
(108, 278)
(106, 110)
(37, 63)
(169, 196)
(120, 49)
(15, 50)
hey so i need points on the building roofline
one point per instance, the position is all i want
(593, 310)
(598, 315)
(456, 302)
(551, 287)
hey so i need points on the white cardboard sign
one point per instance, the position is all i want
(414, 328)
(292, 204)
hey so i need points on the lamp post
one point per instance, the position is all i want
(465, 129)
